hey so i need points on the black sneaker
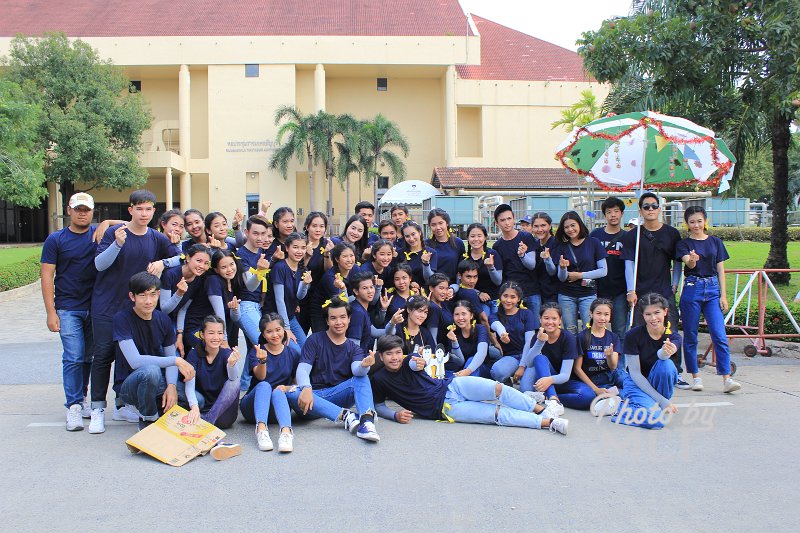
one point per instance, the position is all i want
(144, 423)
(682, 384)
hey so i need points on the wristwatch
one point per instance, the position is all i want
(262, 361)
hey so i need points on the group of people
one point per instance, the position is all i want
(335, 326)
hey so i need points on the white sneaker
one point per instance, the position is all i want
(367, 431)
(606, 406)
(74, 420)
(86, 408)
(555, 407)
(559, 425)
(285, 442)
(697, 384)
(350, 420)
(535, 395)
(97, 424)
(126, 413)
(264, 442)
(549, 412)
(731, 386)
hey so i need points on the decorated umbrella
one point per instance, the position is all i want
(409, 192)
(647, 150)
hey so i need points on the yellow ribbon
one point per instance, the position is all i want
(447, 418)
(342, 296)
(409, 254)
(668, 331)
(522, 305)
(261, 274)
(407, 334)
(183, 257)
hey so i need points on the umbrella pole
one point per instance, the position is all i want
(638, 231)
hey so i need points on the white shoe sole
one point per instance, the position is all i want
(75, 428)
(96, 431)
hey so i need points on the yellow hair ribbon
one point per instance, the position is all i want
(343, 297)
(236, 256)
(322, 249)
(390, 290)
(261, 274)
(472, 324)
(465, 255)
(522, 305)
(197, 334)
(183, 257)
(668, 331)
(447, 418)
(326, 303)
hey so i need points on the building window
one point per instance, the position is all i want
(251, 71)
(383, 182)
(252, 175)
(383, 84)
(135, 86)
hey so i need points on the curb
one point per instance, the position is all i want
(21, 292)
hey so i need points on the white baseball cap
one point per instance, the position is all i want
(81, 198)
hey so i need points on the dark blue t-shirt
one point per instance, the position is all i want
(149, 336)
(564, 348)
(439, 316)
(330, 363)
(711, 252)
(485, 283)
(548, 285)
(209, 378)
(73, 255)
(360, 326)
(282, 274)
(592, 350)
(169, 281)
(656, 254)
(613, 284)
(316, 265)
(470, 295)
(414, 390)
(329, 290)
(448, 256)
(281, 368)
(639, 342)
(469, 346)
(386, 275)
(111, 287)
(513, 269)
(249, 260)
(582, 258)
(516, 325)
(414, 260)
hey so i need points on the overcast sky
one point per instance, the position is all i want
(557, 21)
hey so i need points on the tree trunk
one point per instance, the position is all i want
(329, 174)
(347, 194)
(310, 184)
(779, 237)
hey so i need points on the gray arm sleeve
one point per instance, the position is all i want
(384, 411)
(529, 260)
(662, 354)
(303, 375)
(434, 332)
(219, 308)
(191, 397)
(566, 371)
(496, 276)
(498, 327)
(357, 369)
(427, 271)
(629, 275)
(479, 357)
(562, 273)
(635, 371)
(280, 302)
(173, 261)
(550, 266)
(105, 259)
(136, 360)
(171, 374)
(302, 290)
(181, 318)
(527, 356)
(168, 300)
(600, 272)
(233, 372)
(240, 239)
(251, 281)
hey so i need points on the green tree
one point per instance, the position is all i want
(381, 137)
(580, 113)
(734, 61)
(21, 162)
(305, 140)
(334, 128)
(353, 157)
(91, 125)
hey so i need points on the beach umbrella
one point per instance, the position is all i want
(647, 150)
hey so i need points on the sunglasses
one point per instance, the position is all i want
(649, 207)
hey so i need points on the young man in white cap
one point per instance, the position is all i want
(68, 274)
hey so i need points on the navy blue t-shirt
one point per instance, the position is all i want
(657, 250)
(282, 274)
(485, 283)
(582, 258)
(316, 265)
(439, 316)
(613, 284)
(592, 350)
(73, 255)
(548, 285)
(149, 336)
(330, 363)
(170, 279)
(421, 339)
(414, 390)
(516, 325)
(386, 275)
(249, 260)
(414, 260)
(470, 295)
(469, 346)
(513, 269)
(448, 256)
(209, 378)
(213, 285)
(360, 326)
(329, 290)
(281, 368)
(711, 252)
(564, 348)
(111, 287)
(639, 342)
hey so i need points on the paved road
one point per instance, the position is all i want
(726, 467)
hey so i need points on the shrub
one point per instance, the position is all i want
(19, 274)
(775, 320)
(747, 234)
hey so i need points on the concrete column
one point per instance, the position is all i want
(168, 188)
(184, 137)
(319, 88)
(450, 116)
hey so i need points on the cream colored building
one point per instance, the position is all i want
(465, 91)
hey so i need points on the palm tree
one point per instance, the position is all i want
(306, 141)
(352, 156)
(580, 113)
(334, 128)
(380, 137)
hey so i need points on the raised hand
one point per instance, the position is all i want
(238, 217)
(181, 287)
(505, 338)
(563, 263)
(609, 351)
(215, 243)
(310, 250)
(522, 249)
(669, 347)
(369, 360)
(451, 333)
(426, 257)
(385, 300)
(307, 277)
(419, 362)
(265, 205)
(378, 282)
(120, 234)
(693, 257)
(279, 254)
(397, 317)
(542, 335)
(338, 282)
(174, 237)
(234, 357)
(234, 303)
(489, 261)
(262, 263)
(545, 253)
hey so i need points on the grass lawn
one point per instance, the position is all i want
(9, 256)
(746, 254)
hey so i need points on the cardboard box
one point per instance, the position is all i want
(173, 441)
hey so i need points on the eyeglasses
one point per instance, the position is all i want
(649, 207)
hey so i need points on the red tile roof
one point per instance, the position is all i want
(507, 54)
(502, 178)
(115, 18)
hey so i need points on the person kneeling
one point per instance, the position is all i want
(457, 399)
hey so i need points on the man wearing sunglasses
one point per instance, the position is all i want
(658, 269)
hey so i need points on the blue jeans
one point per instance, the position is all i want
(619, 322)
(701, 295)
(249, 317)
(609, 378)
(573, 393)
(672, 316)
(638, 408)
(255, 406)
(534, 303)
(328, 403)
(571, 307)
(504, 368)
(76, 361)
(465, 402)
(490, 307)
(142, 389)
(298, 331)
